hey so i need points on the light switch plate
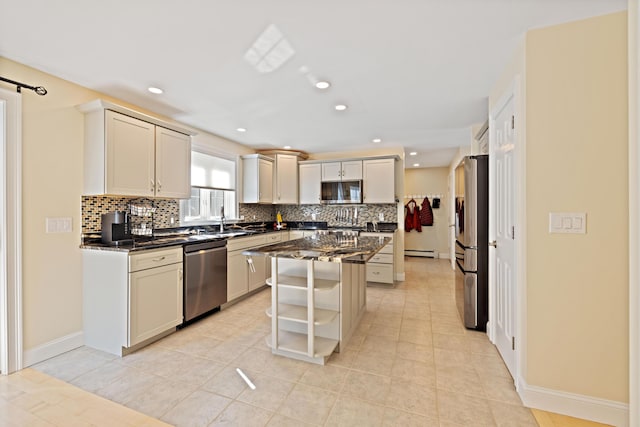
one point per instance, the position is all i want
(58, 225)
(568, 222)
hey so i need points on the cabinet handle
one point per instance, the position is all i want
(153, 185)
(159, 185)
(180, 274)
(158, 259)
(375, 272)
(252, 267)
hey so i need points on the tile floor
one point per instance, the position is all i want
(410, 363)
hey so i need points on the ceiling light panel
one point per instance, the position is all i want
(155, 90)
(340, 107)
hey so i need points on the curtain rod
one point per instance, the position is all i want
(37, 89)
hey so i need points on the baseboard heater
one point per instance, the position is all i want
(423, 253)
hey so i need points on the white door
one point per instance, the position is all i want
(502, 230)
(10, 232)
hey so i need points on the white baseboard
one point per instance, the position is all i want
(52, 348)
(574, 405)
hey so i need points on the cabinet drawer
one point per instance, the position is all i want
(382, 273)
(382, 258)
(151, 259)
(238, 243)
(273, 238)
(387, 249)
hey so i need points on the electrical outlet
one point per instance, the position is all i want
(381, 216)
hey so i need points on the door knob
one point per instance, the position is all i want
(493, 243)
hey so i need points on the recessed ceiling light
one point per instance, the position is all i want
(376, 140)
(340, 107)
(155, 90)
(287, 147)
(323, 84)
(241, 129)
(415, 165)
(413, 153)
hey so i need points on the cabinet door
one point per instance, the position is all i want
(378, 181)
(310, 176)
(265, 181)
(352, 170)
(155, 302)
(258, 277)
(130, 156)
(286, 179)
(237, 280)
(173, 164)
(332, 171)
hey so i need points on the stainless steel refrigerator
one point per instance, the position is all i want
(472, 243)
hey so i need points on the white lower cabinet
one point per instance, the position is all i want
(247, 273)
(315, 307)
(380, 268)
(130, 298)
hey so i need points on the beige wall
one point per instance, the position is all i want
(429, 181)
(574, 125)
(53, 133)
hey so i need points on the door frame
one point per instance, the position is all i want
(11, 232)
(634, 211)
(513, 90)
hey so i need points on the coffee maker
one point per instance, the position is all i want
(115, 228)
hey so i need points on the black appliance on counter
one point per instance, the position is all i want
(115, 228)
(205, 277)
(472, 244)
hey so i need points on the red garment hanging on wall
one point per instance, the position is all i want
(412, 216)
(426, 214)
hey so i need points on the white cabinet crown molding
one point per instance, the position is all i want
(101, 104)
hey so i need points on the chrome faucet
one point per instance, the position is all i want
(222, 219)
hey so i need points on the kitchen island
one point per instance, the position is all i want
(318, 293)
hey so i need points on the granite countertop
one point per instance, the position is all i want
(330, 248)
(173, 237)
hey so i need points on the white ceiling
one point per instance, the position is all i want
(416, 73)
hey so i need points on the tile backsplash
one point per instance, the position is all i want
(334, 215)
(165, 209)
(94, 206)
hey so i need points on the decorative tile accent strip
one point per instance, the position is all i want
(334, 215)
(94, 206)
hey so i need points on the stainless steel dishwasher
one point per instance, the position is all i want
(205, 277)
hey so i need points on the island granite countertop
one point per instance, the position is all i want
(329, 248)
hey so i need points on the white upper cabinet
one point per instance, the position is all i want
(257, 183)
(310, 177)
(130, 159)
(173, 158)
(286, 179)
(378, 180)
(342, 171)
(127, 153)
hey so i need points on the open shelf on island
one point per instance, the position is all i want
(299, 282)
(297, 343)
(298, 313)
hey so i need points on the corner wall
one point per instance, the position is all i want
(576, 161)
